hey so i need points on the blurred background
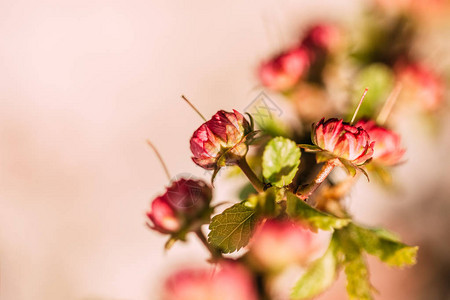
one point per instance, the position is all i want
(83, 84)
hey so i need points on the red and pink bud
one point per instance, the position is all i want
(323, 36)
(185, 201)
(231, 282)
(423, 84)
(163, 217)
(277, 244)
(388, 150)
(343, 140)
(284, 71)
(221, 141)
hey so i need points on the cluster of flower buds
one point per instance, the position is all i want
(231, 282)
(182, 207)
(343, 141)
(277, 244)
(388, 150)
(421, 84)
(223, 140)
(283, 72)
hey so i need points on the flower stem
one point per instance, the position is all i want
(254, 180)
(214, 252)
(306, 191)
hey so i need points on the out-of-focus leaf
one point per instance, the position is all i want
(319, 276)
(298, 209)
(281, 159)
(231, 230)
(378, 78)
(390, 251)
(265, 202)
(246, 191)
(358, 284)
(274, 127)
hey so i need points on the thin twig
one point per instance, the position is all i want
(359, 105)
(389, 104)
(163, 164)
(193, 107)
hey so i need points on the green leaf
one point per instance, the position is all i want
(310, 148)
(246, 191)
(265, 202)
(380, 81)
(385, 247)
(231, 230)
(351, 169)
(319, 276)
(358, 284)
(280, 162)
(298, 209)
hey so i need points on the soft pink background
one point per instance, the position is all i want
(82, 85)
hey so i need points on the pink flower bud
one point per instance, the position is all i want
(189, 197)
(343, 141)
(163, 216)
(387, 150)
(322, 36)
(277, 244)
(421, 83)
(221, 141)
(231, 282)
(284, 71)
(185, 201)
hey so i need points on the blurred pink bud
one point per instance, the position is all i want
(323, 36)
(284, 71)
(343, 141)
(387, 150)
(421, 83)
(184, 202)
(231, 282)
(277, 244)
(163, 216)
(221, 141)
(189, 197)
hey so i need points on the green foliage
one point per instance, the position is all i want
(379, 79)
(383, 246)
(319, 276)
(246, 191)
(346, 250)
(265, 202)
(231, 230)
(274, 127)
(280, 162)
(358, 284)
(298, 209)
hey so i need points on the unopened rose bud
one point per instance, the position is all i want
(284, 71)
(387, 150)
(343, 141)
(325, 37)
(184, 203)
(221, 141)
(278, 244)
(421, 83)
(230, 282)
(163, 216)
